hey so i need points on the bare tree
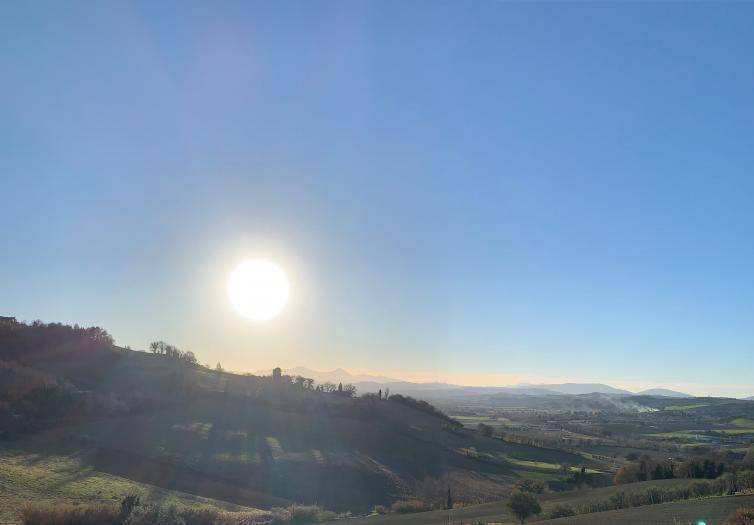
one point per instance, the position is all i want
(349, 390)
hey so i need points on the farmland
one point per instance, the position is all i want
(711, 511)
(609, 428)
(498, 512)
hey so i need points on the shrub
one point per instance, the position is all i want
(128, 504)
(625, 474)
(131, 513)
(200, 516)
(749, 458)
(523, 505)
(531, 485)
(155, 515)
(301, 514)
(485, 430)
(726, 484)
(381, 509)
(561, 511)
(700, 489)
(745, 480)
(62, 514)
(743, 516)
(241, 518)
(407, 506)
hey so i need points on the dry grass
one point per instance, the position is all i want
(64, 514)
(108, 514)
(743, 516)
(407, 506)
(66, 480)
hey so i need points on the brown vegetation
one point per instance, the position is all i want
(131, 513)
(743, 516)
(408, 506)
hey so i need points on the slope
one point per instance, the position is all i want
(255, 441)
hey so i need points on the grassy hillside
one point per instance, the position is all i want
(27, 475)
(348, 454)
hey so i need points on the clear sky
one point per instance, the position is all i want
(477, 191)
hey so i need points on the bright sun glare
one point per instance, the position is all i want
(258, 289)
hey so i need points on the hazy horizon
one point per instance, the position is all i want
(471, 193)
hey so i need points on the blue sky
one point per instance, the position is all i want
(478, 191)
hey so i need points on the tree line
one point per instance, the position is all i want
(25, 343)
(710, 466)
(173, 352)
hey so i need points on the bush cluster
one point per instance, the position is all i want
(561, 511)
(130, 512)
(743, 516)
(407, 506)
(646, 468)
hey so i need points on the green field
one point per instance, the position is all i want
(496, 422)
(679, 434)
(26, 476)
(686, 407)
(694, 435)
(543, 465)
(736, 431)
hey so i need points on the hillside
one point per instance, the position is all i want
(63, 476)
(256, 441)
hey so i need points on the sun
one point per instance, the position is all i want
(258, 289)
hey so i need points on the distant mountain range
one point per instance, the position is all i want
(577, 388)
(334, 376)
(662, 392)
(372, 383)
